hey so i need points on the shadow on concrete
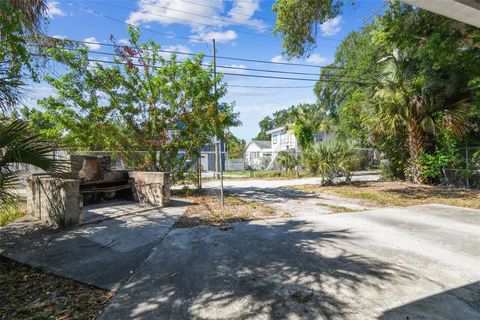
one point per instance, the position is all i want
(274, 270)
(428, 192)
(277, 195)
(462, 303)
(103, 254)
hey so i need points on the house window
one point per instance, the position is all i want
(274, 139)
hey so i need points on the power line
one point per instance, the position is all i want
(84, 8)
(218, 57)
(184, 20)
(182, 11)
(243, 68)
(225, 67)
(226, 73)
(269, 87)
(208, 6)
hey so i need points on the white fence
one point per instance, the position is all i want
(234, 164)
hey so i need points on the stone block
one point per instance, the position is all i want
(151, 187)
(56, 202)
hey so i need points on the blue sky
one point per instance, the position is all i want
(242, 29)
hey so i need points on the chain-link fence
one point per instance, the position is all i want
(368, 158)
(465, 173)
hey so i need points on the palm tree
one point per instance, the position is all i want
(19, 145)
(286, 160)
(20, 22)
(309, 118)
(407, 103)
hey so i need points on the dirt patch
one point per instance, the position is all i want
(340, 209)
(400, 194)
(28, 293)
(206, 210)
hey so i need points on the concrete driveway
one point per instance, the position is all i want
(412, 263)
(105, 251)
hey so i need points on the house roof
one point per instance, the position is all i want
(261, 144)
(275, 130)
(467, 11)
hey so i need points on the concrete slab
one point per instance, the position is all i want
(413, 263)
(103, 254)
(296, 202)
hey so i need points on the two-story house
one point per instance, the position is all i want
(262, 154)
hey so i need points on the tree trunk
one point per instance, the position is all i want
(416, 143)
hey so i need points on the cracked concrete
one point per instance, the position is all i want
(418, 262)
(104, 253)
(405, 263)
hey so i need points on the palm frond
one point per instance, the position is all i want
(19, 145)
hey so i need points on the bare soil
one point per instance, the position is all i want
(207, 210)
(400, 194)
(28, 293)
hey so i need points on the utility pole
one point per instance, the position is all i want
(218, 143)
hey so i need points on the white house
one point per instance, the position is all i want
(282, 139)
(256, 153)
(262, 154)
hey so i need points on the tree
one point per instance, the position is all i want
(235, 146)
(447, 89)
(298, 21)
(159, 112)
(20, 23)
(19, 144)
(309, 119)
(286, 160)
(331, 159)
(280, 118)
(406, 102)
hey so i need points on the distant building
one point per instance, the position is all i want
(262, 154)
(207, 156)
(256, 153)
(282, 139)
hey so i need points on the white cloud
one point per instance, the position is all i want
(235, 68)
(203, 16)
(219, 36)
(243, 11)
(35, 93)
(54, 10)
(57, 36)
(93, 45)
(169, 12)
(278, 58)
(332, 26)
(176, 48)
(316, 59)
(124, 41)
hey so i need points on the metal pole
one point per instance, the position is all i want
(466, 164)
(199, 165)
(218, 144)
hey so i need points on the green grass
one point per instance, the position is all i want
(400, 194)
(340, 209)
(9, 213)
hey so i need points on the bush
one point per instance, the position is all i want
(11, 212)
(332, 159)
(446, 155)
(287, 160)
